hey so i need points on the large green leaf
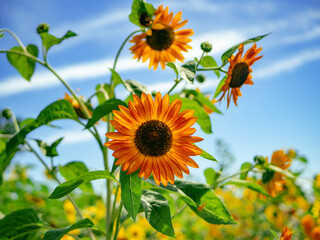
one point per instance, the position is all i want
(59, 233)
(102, 92)
(104, 109)
(198, 96)
(24, 65)
(138, 8)
(209, 62)
(203, 201)
(203, 118)
(187, 71)
(116, 79)
(227, 54)
(135, 87)
(49, 40)
(67, 187)
(73, 170)
(157, 212)
(131, 192)
(20, 224)
(245, 166)
(251, 185)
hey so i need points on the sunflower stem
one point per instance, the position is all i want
(116, 232)
(16, 38)
(235, 174)
(200, 60)
(177, 81)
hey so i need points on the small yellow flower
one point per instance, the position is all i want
(69, 211)
(136, 232)
(307, 223)
(274, 215)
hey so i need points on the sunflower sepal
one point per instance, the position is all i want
(227, 54)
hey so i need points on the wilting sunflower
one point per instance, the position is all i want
(162, 43)
(276, 182)
(154, 137)
(286, 233)
(239, 73)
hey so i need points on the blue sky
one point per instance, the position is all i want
(280, 111)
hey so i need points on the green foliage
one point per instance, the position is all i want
(102, 92)
(59, 233)
(73, 170)
(49, 40)
(209, 62)
(251, 185)
(131, 192)
(116, 79)
(49, 150)
(138, 9)
(218, 89)
(23, 64)
(280, 170)
(187, 71)
(21, 224)
(245, 166)
(157, 212)
(135, 87)
(227, 54)
(203, 118)
(104, 109)
(211, 176)
(208, 156)
(67, 187)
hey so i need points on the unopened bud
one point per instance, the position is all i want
(6, 113)
(43, 28)
(201, 78)
(206, 47)
(260, 160)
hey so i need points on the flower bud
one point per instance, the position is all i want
(206, 47)
(43, 28)
(260, 160)
(145, 19)
(6, 113)
(200, 78)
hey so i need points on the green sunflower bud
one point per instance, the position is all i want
(6, 113)
(260, 160)
(206, 47)
(43, 28)
(201, 78)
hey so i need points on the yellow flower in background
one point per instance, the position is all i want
(315, 234)
(275, 215)
(39, 202)
(95, 213)
(122, 234)
(136, 232)
(69, 211)
(239, 73)
(73, 232)
(276, 183)
(154, 137)
(205, 107)
(307, 224)
(286, 233)
(317, 181)
(315, 210)
(162, 43)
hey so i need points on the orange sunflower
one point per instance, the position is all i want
(154, 137)
(276, 183)
(239, 73)
(286, 233)
(162, 43)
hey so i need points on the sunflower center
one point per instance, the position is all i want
(161, 39)
(153, 138)
(239, 75)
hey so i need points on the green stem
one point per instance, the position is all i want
(177, 81)
(6, 135)
(109, 189)
(16, 38)
(200, 60)
(235, 174)
(26, 54)
(118, 222)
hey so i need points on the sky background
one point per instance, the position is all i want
(280, 111)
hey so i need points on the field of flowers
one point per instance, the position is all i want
(148, 151)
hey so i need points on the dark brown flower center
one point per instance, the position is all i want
(161, 39)
(153, 138)
(239, 75)
(145, 19)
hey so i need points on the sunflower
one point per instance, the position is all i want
(277, 181)
(239, 73)
(286, 233)
(76, 105)
(154, 137)
(162, 43)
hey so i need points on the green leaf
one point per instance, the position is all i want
(209, 62)
(203, 201)
(67, 187)
(203, 118)
(73, 170)
(210, 175)
(206, 155)
(218, 89)
(26, 122)
(104, 109)
(102, 92)
(24, 65)
(138, 8)
(227, 54)
(59, 233)
(49, 150)
(157, 212)
(202, 99)
(135, 87)
(131, 192)
(251, 185)
(280, 170)
(20, 224)
(116, 79)
(187, 71)
(49, 40)
(245, 166)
